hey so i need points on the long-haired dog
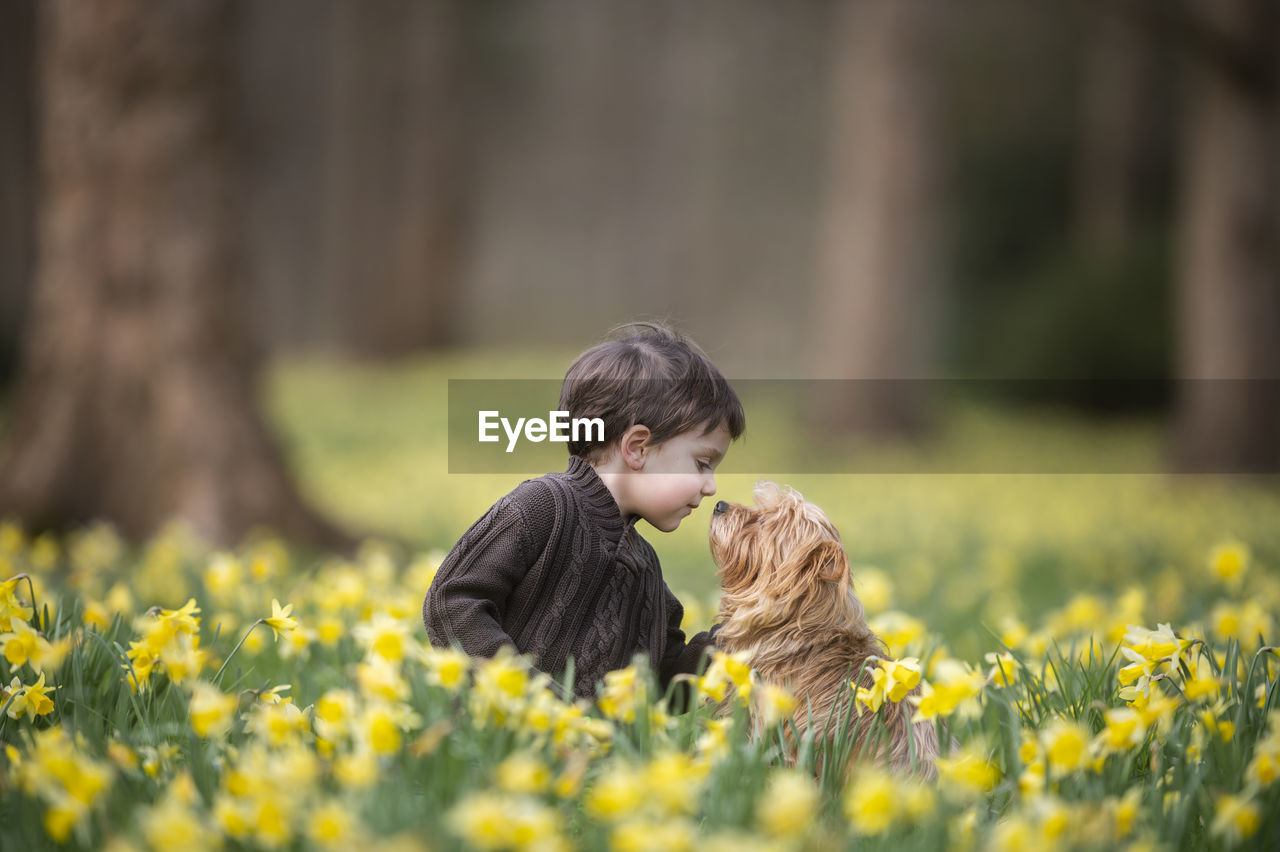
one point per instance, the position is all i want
(787, 598)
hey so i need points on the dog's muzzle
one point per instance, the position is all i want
(721, 508)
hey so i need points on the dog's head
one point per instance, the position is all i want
(781, 563)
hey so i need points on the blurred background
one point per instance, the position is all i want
(243, 246)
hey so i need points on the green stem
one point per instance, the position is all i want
(35, 612)
(217, 679)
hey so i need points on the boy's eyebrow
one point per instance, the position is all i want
(712, 452)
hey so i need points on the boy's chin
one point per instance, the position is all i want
(668, 524)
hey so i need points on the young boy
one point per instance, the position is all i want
(556, 568)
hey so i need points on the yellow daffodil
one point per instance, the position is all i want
(954, 689)
(616, 793)
(211, 710)
(30, 700)
(1004, 669)
(280, 622)
(1066, 745)
(623, 690)
(447, 668)
(774, 704)
(970, 771)
(1228, 562)
(21, 644)
(384, 636)
(12, 609)
(1236, 817)
(897, 629)
(789, 804)
(871, 802)
(1124, 730)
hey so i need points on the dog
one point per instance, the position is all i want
(787, 598)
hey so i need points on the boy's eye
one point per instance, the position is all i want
(703, 465)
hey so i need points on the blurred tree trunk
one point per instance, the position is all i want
(17, 170)
(136, 401)
(877, 240)
(282, 50)
(1110, 133)
(1229, 289)
(396, 172)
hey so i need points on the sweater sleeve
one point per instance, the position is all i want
(680, 657)
(467, 600)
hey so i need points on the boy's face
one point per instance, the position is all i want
(676, 475)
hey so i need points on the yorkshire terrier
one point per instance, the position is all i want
(787, 598)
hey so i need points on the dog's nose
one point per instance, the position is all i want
(721, 507)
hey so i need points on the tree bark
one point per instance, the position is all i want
(136, 401)
(1110, 140)
(876, 238)
(17, 171)
(1229, 292)
(396, 173)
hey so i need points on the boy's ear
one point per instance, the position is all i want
(634, 445)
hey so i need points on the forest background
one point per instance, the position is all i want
(243, 244)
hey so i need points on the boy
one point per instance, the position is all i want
(556, 567)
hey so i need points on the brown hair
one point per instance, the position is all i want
(648, 373)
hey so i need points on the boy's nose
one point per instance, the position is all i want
(721, 508)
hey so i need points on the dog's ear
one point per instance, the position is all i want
(831, 562)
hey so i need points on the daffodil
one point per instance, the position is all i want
(954, 688)
(968, 771)
(1228, 562)
(523, 772)
(280, 622)
(334, 712)
(774, 704)
(621, 692)
(897, 629)
(871, 801)
(1124, 811)
(211, 711)
(674, 781)
(333, 825)
(22, 644)
(447, 668)
(11, 609)
(1004, 669)
(1236, 817)
(384, 635)
(789, 804)
(616, 793)
(223, 577)
(725, 672)
(1200, 682)
(1124, 730)
(482, 820)
(1066, 745)
(30, 700)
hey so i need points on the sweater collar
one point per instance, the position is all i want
(597, 499)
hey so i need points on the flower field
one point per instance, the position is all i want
(1098, 649)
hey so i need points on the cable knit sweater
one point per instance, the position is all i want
(553, 569)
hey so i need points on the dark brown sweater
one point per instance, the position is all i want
(553, 569)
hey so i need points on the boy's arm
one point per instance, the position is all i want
(467, 599)
(680, 657)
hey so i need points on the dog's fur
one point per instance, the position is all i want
(787, 598)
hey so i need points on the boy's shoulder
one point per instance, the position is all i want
(541, 499)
